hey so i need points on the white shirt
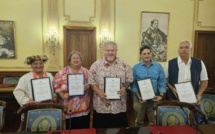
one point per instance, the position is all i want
(23, 91)
(184, 73)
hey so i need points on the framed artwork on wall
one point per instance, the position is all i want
(154, 33)
(7, 45)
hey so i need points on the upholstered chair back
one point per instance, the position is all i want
(42, 117)
(173, 113)
(207, 106)
(2, 114)
(43, 120)
(172, 116)
(11, 80)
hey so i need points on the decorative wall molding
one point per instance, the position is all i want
(68, 17)
(199, 23)
(53, 24)
(2, 69)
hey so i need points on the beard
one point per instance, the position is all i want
(110, 58)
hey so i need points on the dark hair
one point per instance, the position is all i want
(153, 21)
(145, 47)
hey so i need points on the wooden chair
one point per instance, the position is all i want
(11, 80)
(42, 117)
(207, 105)
(2, 114)
(173, 113)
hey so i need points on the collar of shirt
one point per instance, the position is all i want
(143, 64)
(37, 76)
(107, 64)
(68, 70)
(179, 60)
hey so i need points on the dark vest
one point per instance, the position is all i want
(195, 70)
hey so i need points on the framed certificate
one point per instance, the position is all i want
(146, 89)
(186, 92)
(41, 89)
(112, 85)
(75, 84)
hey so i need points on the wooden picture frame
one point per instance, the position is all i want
(7, 44)
(154, 33)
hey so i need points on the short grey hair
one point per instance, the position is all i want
(109, 43)
(74, 52)
(186, 41)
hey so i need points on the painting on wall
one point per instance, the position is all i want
(154, 33)
(7, 45)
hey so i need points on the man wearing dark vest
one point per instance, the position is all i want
(185, 68)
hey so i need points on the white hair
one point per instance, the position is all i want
(186, 41)
(109, 43)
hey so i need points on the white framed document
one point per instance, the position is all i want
(41, 89)
(112, 85)
(146, 89)
(75, 84)
(186, 92)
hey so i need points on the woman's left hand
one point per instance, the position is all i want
(86, 86)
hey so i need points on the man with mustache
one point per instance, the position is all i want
(109, 113)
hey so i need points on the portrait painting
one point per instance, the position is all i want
(7, 45)
(154, 33)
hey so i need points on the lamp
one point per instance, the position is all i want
(52, 39)
(104, 37)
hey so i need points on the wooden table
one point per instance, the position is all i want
(6, 89)
(206, 129)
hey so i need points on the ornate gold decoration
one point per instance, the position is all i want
(42, 122)
(208, 106)
(172, 119)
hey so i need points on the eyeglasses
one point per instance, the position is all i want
(76, 59)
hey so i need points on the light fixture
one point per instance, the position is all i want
(104, 37)
(52, 39)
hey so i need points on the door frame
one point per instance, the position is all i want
(197, 32)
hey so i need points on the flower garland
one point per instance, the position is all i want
(29, 60)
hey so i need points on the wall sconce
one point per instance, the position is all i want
(52, 39)
(104, 37)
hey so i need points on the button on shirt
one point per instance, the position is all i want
(101, 69)
(154, 72)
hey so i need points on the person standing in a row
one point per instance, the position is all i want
(109, 113)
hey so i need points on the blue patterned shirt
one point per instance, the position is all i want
(154, 71)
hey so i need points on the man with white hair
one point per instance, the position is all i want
(109, 113)
(185, 68)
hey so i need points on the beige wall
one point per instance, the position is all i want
(31, 25)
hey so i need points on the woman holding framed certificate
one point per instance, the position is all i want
(28, 90)
(71, 84)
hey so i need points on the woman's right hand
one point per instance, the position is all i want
(65, 96)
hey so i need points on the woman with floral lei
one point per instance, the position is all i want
(23, 91)
(78, 107)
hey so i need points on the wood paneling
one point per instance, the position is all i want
(82, 39)
(205, 50)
